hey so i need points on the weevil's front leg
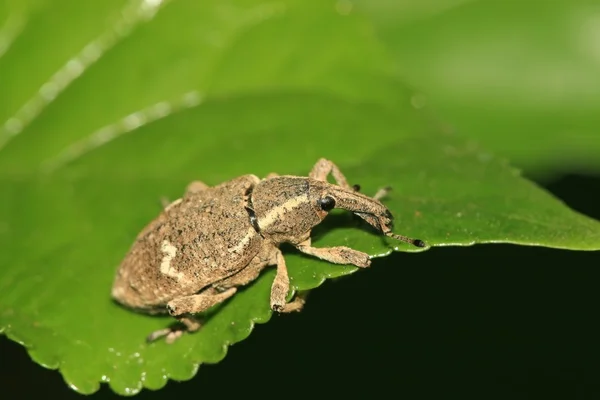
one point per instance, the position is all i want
(336, 255)
(181, 307)
(281, 284)
(323, 168)
(281, 288)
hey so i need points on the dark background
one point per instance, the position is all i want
(489, 321)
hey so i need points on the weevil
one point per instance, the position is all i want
(205, 245)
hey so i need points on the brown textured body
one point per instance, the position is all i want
(196, 242)
(204, 246)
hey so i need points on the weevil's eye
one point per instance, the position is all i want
(326, 203)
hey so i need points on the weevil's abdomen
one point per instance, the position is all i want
(205, 238)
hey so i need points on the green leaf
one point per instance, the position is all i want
(65, 233)
(520, 77)
(223, 90)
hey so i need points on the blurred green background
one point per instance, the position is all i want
(263, 83)
(519, 76)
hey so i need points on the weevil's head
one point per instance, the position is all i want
(287, 208)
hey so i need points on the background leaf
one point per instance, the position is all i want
(520, 77)
(153, 95)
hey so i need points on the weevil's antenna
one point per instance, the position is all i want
(405, 239)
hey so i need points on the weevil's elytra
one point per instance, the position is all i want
(204, 246)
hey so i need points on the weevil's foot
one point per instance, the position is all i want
(173, 336)
(158, 334)
(277, 307)
(170, 335)
(297, 304)
(186, 323)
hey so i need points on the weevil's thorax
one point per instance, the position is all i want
(284, 209)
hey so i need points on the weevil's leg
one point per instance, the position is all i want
(191, 324)
(271, 175)
(181, 308)
(198, 302)
(381, 193)
(323, 168)
(281, 284)
(171, 334)
(168, 205)
(196, 187)
(158, 334)
(336, 255)
(297, 304)
(281, 288)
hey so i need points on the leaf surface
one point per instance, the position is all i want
(182, 91)
(520, 78)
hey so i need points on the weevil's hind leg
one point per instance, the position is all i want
(271, 175)
(190, 324)
(336, 255)
(323, 168)
(198, 302)
(182, 307)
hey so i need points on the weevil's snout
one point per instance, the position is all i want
(373, 212)
(382, 222)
